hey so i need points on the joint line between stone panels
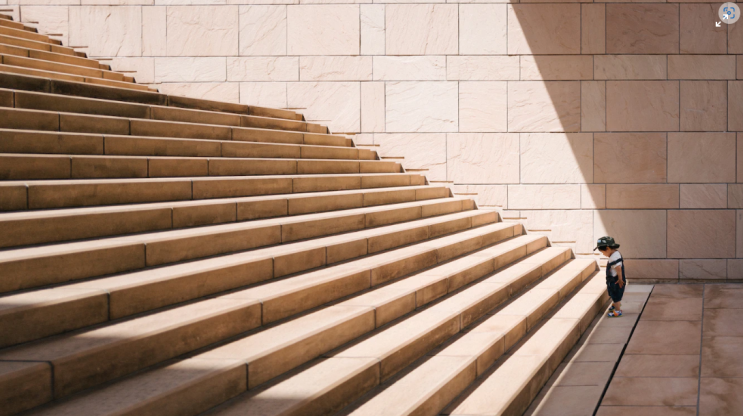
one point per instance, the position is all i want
(701, 344)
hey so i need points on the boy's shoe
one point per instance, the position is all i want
(611, 308)
(614, 314)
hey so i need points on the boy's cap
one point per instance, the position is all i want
(606, 241)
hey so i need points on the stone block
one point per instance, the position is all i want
(735, 39)
(51, 19)
(482, 29)
(708, 234)
(593, 28)
(551, 106)
(190, 69)
(701, 67)
(217, 91)
(735, 196)
(735, 105)
(372, 29)
(202, 31)
(543, 197)
(421, 151)
(484, 195)
(426, 106)
(739, 234)
(339, 102)
(702, 269)
(735, 266)
(556, 158)
(556, 68)
(421, 29)
(335, 68)
(154, 30)
(482, 68)
(142, 69)
(483, 106)
(630, 67)
(285, 68)
(409, 68)
(701, 157)
(641, 233)
(740, 157)
(629, 157)
(544, 29)
(652, 269)
(740, 66)
(479, 158)
(642, 105)
(372, 106)
(721, 396)
(642, 196)
(323, 29)
(263, 30)
(118, 30)
(642, 28)
(593, 196)
(566, 226)
(704, 196)
(704, 105)
(593, 105)
(264, 94)
(697, 35)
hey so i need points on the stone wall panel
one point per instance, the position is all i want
(478, 158)
(482, 29)
(640, 233)
(642, 105)
(629, 158)
(701, 157)
(107, 30)
(698, 234)
(263, 30)
(202, 31)
(483, 106)
(421, 29)
(323, 29)
(556, 158)
(544, 29)
(704, 105)
(550, 106)
(426, 106)
(265, 94)
(336, 104)
(642, 28)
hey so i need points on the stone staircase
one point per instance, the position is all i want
(163, 255)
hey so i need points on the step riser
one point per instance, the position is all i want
(31, 44)
(48, 56)
(70, 77)
(24, 34)
(43, 65)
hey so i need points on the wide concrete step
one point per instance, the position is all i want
(519, 378)
(37, 227)
(33, 44)
(64, 68)
(20, 167)
(12, 118)
(55, 86)
(84, 359)
(40, 313)
(46, 142)
(25, 34)
(15, 25)
(381, 356)
(464, 358)
(48, 56)
(10, 69)
(37, 266)
(22, 195)
(255, 359)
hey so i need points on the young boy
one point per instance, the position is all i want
(615, 279)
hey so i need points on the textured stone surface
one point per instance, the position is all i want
(642, 105)
(561, 68)
(263, 69)
(421, 29)
(697, 36)
(653, 269)
(735, 106)
(482, 158)
(482, 68)
(593, 105)
(142, 69)
(572, 226)
(703, 105)
(642, 196)
(539, 29)
(556, 158)
(372, 106)
(593, 29)
(190, 69)
(421, 151)
(482, 29)
(52, 19)
(118, 30)
(338, 102)
(207, 90)
(702, 269)
(701, 67)
(486, 195)
(266, 94)
(483, 106)
(421, 106)
(701, 157)
(551, 106)
(543, 196)
(409, 68)
(703, 234)
(641, 233)
(202, 31)
(263, 30)
(721, 396)
(642, 28)
(323, 29)
(335, 68)
(629, 157)
(154, 30)
(630, 67)
(593, 196)
(704, 196)
(372, 29)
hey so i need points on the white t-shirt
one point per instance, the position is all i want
(613, 268)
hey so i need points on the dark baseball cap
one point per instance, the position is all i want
(606, 241)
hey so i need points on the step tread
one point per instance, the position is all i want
(51, 56)
(29, 43)
(40, 73)
(61, 67)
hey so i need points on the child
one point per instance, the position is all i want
(615, 279)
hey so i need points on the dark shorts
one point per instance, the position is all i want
(615, 292)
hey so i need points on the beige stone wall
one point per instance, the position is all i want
(580, 118)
